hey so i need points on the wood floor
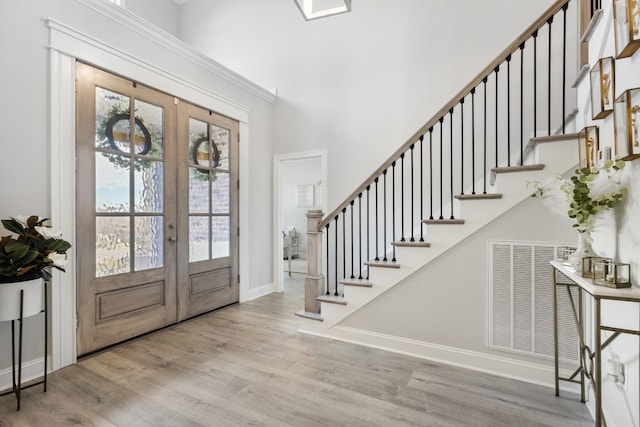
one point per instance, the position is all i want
(247, 365)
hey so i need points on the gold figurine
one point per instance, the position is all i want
(605, 83)
(634, 13)
(634, 124)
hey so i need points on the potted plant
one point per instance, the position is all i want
(583, 197)
(26, 258)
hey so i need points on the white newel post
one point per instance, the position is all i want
(314, 282)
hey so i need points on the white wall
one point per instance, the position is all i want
(298, 172)
(161, 13)
(619, 238)
(445, 303)
(24, 150)
(358, 84)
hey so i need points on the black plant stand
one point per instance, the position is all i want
(17, 383)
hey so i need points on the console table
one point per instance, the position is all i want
(593, 372)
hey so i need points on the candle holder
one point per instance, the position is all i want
(588, 263)
(612, 274)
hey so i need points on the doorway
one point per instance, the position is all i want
(300, 181)
(157, 209)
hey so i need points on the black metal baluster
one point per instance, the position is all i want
(484, 161)
(328, 261)
(401, 197)
(360, 234)
(368, 226)
(441, 178)
(522, 104)
(564, 65)
(384, 215)
(549, 21)
(421, 186)
(344, 246)
(509, 110)
(377, 257)
(393, 211)
(335, 274)
(412, 193)
(535, 82)
(352, 275)
(431, 171)
(451, 158)
(497, 70)
(473, 141)
(461, 148)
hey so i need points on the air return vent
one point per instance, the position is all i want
(521, 301)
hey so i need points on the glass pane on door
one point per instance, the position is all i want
(112, 245)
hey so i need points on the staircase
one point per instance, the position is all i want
(556, 155)
(463, 169)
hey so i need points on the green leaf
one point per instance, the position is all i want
(13, 226)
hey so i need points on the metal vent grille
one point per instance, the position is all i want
(521, 301)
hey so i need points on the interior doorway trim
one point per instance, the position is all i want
(278, 164)
(67, 45)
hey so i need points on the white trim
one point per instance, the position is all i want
(278, 161)
(62, 205)
(260, 291)
(67, 44)
(89, 49)
(31, 370)
(157, 35)
(508, 368)
(243, 214)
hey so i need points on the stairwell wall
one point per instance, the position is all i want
(357, 84)
(618, 236)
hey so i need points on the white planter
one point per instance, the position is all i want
(10, 299)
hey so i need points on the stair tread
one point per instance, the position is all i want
(309, 315)
(479, 196)
(443, 221)
(412, 244)
(518, 168)
(332, 299)
(357, 282)
(385, 264)
(554, 138)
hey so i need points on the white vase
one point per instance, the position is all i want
(584, 249)
(33, 301)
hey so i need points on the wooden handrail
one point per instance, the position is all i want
(502, 57)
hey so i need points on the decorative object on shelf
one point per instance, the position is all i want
(588, 262)
(563, 253)
(26, 259)
(627, 121)
(612, 274)
(588, 147)
(583, 197)
(602, 87)
(626, 16)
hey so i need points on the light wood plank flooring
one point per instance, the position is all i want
(247, 365)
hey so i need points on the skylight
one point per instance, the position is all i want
(314, 9)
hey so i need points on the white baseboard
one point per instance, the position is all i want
(492, 364)
(260, 291)
(31, 369)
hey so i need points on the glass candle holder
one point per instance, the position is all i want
(612, 274)
(588, 263)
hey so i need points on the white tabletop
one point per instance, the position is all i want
(632, 293)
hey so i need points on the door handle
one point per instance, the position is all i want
(172, 240)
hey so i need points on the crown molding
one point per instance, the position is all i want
(162, 38)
